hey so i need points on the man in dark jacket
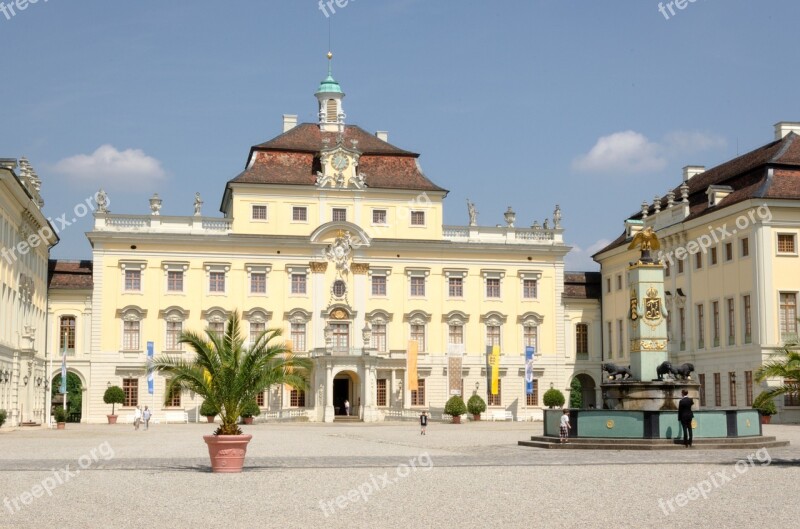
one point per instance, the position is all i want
(685, 417)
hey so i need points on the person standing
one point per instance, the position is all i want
(565, 426)
(146, 414)
(423, 422)
(137, 417)
(346, 407)
(685, 417)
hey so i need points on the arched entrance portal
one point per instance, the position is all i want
(588, 390)
(74, 396)
(346, 388)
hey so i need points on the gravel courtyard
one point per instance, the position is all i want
(383, 475)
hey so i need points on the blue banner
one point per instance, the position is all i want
(149, 365)
(63, 388)
(530, 353)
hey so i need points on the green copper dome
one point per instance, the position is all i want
(329, 85)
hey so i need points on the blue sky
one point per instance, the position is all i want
(595, 106)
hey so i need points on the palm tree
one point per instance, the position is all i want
(227, 374)
(784, 365)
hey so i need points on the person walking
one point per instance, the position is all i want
(137, 417)
(565, 427)
(146, 414)
(685, 416)
(423, 422)
(347, 407)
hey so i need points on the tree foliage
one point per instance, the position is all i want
(576, 394)
(114, 395)
(553, 398)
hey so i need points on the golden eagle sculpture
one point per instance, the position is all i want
(645, 240)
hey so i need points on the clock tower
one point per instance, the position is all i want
(330, 95)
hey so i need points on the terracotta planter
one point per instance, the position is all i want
(61, 425)
(227, 452)
(476, 416)
(247, 420)
(210, 418)
(765, 419)
(112, 419)
(456, 419)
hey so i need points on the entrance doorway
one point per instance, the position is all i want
(341, 393)
(588, 390)
(74, 396)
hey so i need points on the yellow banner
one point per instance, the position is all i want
(495, 362)
(411, 365)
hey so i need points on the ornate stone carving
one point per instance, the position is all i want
(339, 314)
(317, 267)
(359, 268)
(340, 252)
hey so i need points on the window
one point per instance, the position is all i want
(731, 322)
(174, 399)
(530, 337)
(715, 321)
(417, 218)
(582, 339)
(748, 388)
(788, 310)
(702, 381)
(66, 335)
(417, 286)
(748, 322)
(620, 339)
(298, 283)
(339, 288)
(714, 255)
(680, 266)
(745, 246)
(533, 398)
(418, 395)
(608, 285)
(619, 282)
(732, 388)
(298, 334)
(339, 215)
(701, 336)
(610, 340)
(331, 114)
(130, 336)
(130, 386)
(530, 289)
(698, 261)
(216, 282)
(260, 399)
(418, 334)
(455, 334)
(341, 337)
(492, 335)
(217, 328)
(728, 251)
(259, 212)
(667, 269)
(256, 328)
(297, 398)
(682, 324)
(299, 214)
(379, 337)
(492, 288)
(455, 287)
(378, 285)
(495, 400)
(174, 281)
(174, 330)
(380, 395)
(786, 243)
(133, 280)
(379, 216)
(717, 390)
(793, 398)
(258, 283)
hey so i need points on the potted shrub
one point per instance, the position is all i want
(553, 398)
(113, 395)
(476, 405)
(456, 408)
(3, 417)
(229, 375)
(249, 411)
(208, 410)
(765, 406)
(61, 417)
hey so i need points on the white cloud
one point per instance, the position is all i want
(580, 260)
(111, 167)
(630, 152)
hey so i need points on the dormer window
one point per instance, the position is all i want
(717, 193)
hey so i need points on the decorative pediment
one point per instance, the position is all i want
(297, 316)
(381, 317)
(339, 311)
(493, 319)
(215, 315)
(340, 169)
(418, 317)
(257, 315)
(131, 313)
(456, 317)
(530, 319)
(174, 314)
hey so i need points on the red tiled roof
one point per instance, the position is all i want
(582, 285)
(71, 275)
(308, 137)
(747, 175)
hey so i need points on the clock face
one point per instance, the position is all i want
(340, 162)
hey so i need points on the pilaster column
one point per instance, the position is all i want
(329, 411)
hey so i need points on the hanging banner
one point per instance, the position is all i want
(411, 365)
(454, 362)
(495, 361)
(63, 388)
(530, 353)
(150, 388)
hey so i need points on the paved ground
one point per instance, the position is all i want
(386, 475)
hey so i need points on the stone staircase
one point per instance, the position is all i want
(654, 444)
(345, 419)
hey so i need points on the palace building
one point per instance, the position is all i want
(335, 236)
(729, 245)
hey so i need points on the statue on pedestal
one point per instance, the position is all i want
(473, 213)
